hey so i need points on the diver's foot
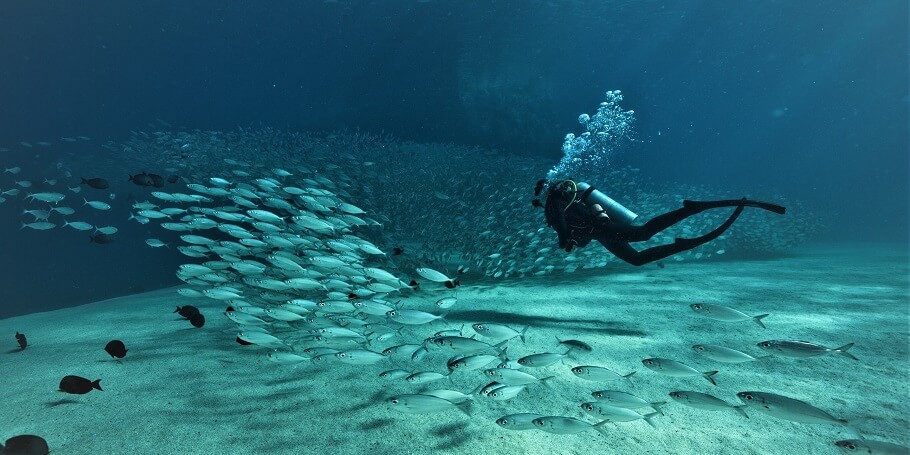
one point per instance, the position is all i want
(704, 205)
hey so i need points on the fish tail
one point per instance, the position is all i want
(97, 385)
(843, 351)
(656, 406)
(522, 334)
(23, 225)
(741, 409)
(83, 181)
(650, 416)
(464, 406)
(758, 319)
(709, 375)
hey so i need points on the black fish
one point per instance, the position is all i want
(172, 178)
(414, 284)
(187, 311)
(142, 179)
(21, 339)
(397, 250)
(198, 320)
(157, 180)
(79, 385)
(26, 444)
(116, 349)
(450, 284)
(96, 183)
(101, 239)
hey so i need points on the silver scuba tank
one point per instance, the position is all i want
(613, 209)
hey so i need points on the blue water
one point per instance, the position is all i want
(805, 99)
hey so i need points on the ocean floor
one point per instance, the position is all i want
(196, 391)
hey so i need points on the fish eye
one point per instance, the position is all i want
(696, 307)
(479, 326)
(588, 407)
(502, 421)
(649, 362)
(748, 397)
(699, 347)
(538, 423)
(674, 394)
(394, 401)
(597, 395)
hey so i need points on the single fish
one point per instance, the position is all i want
(78, 385)
(704, 401)
(564, 425)
(626, 400)
(116, 349)
(499, 331)
(542, 359)
(726, 314)
(803, 349)
(723, 354)
(419, 404)
(617, 414)
(596, 373)
(787, 408)
(676, 369)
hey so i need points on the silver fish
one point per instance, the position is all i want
(564, 425)
(700, 400)
(787, 408)
(723, 354)
(596, 373)
(617, 414)
(802, 349)
(419, 404)
(677, 369)
(726, 314)
(626, 400)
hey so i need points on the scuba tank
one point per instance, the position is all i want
(613, 209)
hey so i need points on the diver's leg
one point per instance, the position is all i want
(625, 251)
(687, 244)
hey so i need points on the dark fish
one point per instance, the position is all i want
(172, 178)
(157, 180)
(79, 385)
(575, 344)
(26, 444)
(198, 320)
(142, 179)
(243, 342)
(21, 339)
(451, 284)
(414, 284)
(397, 250)
(101, 239)
(187, 311)
(116, 349)
(96, 183)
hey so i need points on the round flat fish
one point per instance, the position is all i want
(26, 444)
(78, 385)
(116, 349)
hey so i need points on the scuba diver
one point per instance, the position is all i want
(579, 213)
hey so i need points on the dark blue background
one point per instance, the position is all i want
(806, 98)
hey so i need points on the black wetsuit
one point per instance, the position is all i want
(577, 224)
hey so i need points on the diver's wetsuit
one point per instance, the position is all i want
(577, 224)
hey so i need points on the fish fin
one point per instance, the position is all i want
(464, 406)
(741, 409)
(499, 347)
(97, 385)
(758, 319)
(522, 334)
(23, 225)
(709, 375)
(650, 416)
(628, 377)
(599, 426)
(544, 380)
(843, 351)
(656, 406)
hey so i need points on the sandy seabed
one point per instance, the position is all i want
(182, 390)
